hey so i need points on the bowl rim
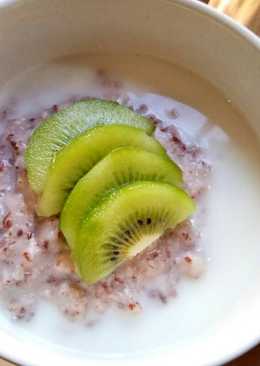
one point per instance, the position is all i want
(253, 338)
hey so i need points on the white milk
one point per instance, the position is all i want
(233, 204)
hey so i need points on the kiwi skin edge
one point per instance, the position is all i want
(60, 128)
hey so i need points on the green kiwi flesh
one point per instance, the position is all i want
(60, 128)
(122, 166)
(124, 223)
(81, 154)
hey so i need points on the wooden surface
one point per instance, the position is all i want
(248, 13)
(4, 363)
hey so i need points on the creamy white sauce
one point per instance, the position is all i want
(232, 205)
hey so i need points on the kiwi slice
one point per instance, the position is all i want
(60, 128)
(124, 223)
(81, 154)
(122, 166)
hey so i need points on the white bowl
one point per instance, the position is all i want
(184, 32)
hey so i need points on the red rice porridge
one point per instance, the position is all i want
(35, 261)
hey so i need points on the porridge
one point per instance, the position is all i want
(171, 291)
(35, 260)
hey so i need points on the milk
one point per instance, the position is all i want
(231, 229)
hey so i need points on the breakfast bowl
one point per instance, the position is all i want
(191, 75)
